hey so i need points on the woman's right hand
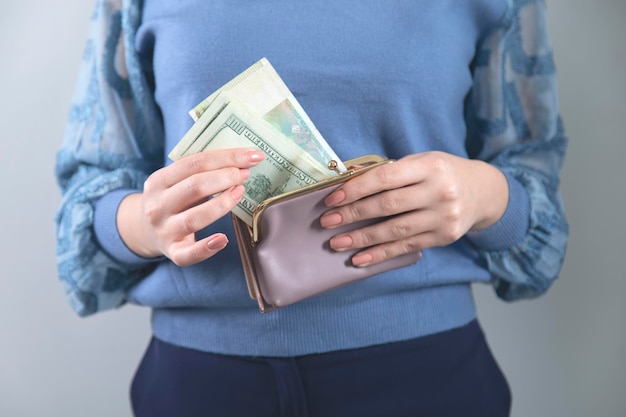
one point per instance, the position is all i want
(183, 198)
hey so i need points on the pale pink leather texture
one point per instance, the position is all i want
(293, 260)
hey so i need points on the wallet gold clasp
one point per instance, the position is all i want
(334, 166)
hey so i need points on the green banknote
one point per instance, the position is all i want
(262, 89)
(228, 123)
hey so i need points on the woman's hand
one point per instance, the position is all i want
(180, 200)
(434, 199)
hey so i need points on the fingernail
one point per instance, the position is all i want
(245, 174)
(341, 242)
(255, 156)
(237, 192)
(330, 219)
(335, 198)
(217, 243)
(362, 259)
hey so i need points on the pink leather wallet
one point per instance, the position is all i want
(286, 255)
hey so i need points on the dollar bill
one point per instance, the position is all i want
(225, 99)
(286, 167)
(264, 91)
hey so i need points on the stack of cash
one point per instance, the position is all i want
(257, 110)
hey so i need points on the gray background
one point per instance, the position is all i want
(564, 354)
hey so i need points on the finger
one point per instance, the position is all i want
(199, 251)
(204, 162)
(199, 187)
(381, 253)
(385, 177)
(198, 217)
(384, 204)
(431, 237)
(390, 230)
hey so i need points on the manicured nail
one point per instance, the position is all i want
(341, 242)
(255, 156)
(335, 198)
(245, 174)
(362, 259)
(330, 219)
(217, 243)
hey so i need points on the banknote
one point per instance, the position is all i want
(189, 143)
(286, 167)
(264, 91)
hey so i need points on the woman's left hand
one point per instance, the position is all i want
(433, 198)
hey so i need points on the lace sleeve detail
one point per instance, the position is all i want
(514, 123)
(113, 140)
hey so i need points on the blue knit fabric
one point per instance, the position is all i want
(393, 78)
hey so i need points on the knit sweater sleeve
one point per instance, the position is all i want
(514, 123)
(113, 140)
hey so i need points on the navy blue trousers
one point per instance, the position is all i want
(447, 374)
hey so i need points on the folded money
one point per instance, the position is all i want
(263, 90)
(257, 110)
(229, 123)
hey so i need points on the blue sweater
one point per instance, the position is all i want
(474, 79)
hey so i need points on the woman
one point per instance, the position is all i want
(463, 96)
